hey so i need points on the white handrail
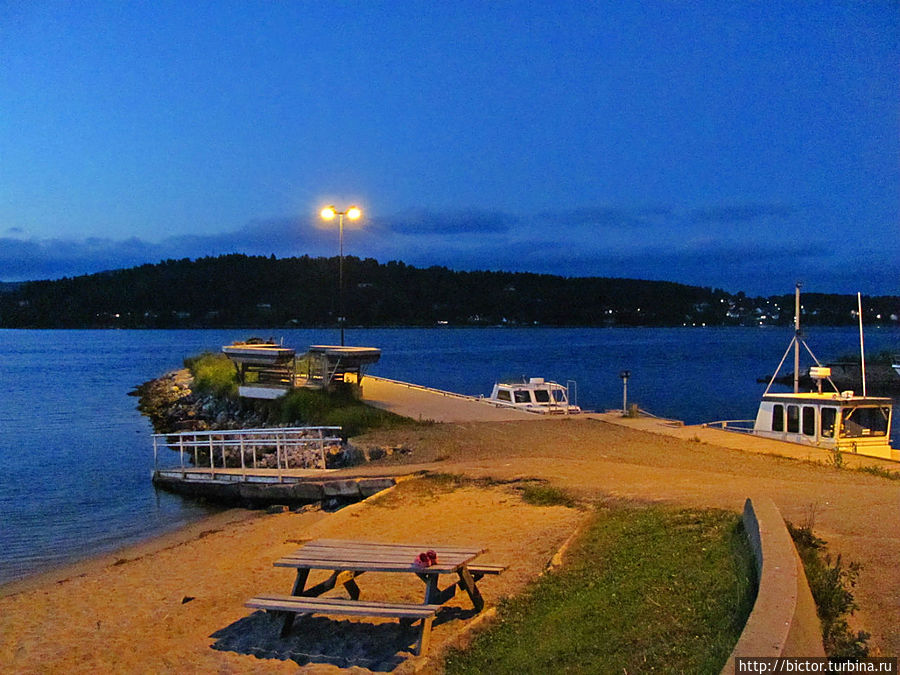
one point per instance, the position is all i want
(283, 442)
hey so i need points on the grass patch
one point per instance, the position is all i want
(880, 471)
(831, 582)
(541, 494)
(338, 408)
(646, 588)
(213, 374)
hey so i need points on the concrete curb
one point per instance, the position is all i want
(783, 621)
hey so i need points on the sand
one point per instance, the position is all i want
(176, 604)
(179, 607)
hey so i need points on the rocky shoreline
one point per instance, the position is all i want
(172, 405)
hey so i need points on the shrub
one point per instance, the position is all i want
(538, 494)
(213, 374)
(333, 408)
(831, 583)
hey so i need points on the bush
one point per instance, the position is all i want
(831, 583)
(337, 408)
(546, 495)
(213, 374)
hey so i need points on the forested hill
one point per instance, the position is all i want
(251, 291)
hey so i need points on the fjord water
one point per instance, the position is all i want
(76, 456)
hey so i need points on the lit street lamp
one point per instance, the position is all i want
(353, 213)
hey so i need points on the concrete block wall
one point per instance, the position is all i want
(783, 621)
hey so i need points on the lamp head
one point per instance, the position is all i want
(354, 212)
(328, 213)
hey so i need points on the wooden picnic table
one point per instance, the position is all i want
(347, 560)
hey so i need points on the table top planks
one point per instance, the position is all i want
(340, 554)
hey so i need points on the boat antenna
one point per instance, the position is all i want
(862, 349)
(796, 341)
(797, 338)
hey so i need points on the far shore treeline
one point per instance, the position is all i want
(257, 291)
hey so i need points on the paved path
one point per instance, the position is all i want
(425, 404)
(739, 441)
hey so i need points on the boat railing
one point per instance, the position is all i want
(742, 426)
(247, 449)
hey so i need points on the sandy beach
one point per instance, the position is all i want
(176, 604)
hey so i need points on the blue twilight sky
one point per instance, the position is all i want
(742, 145)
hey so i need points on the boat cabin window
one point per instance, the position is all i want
(829, 415)
(541, 396)
(793, 419)
(522, 396)
(865, 421)
(809, 420)
(503, 395)
(778, 418)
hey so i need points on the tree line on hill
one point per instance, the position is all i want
(256, 291)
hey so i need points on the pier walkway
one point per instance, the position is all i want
(734, 440)
(427, 404)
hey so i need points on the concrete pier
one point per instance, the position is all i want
(427, 404)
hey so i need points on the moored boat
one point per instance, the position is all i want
(841, 421)
(536, 395)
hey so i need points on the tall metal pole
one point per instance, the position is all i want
(341, 275)
(797, 338)
(625, 374)
(862, 346)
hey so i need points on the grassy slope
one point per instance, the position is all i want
(646, 588)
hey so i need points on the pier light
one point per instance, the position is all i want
(353, 213)
(625, 374)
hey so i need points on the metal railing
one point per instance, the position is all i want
(305, 445)
(420, 387)
(742, 426)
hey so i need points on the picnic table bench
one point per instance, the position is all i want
(347, 560)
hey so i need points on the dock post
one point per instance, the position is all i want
(243, 467)
(322, 445)
(155, 456)
(278, 457)
(181, 453)
(212, 465)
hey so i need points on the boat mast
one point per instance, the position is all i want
(862, 349)
(797, 338)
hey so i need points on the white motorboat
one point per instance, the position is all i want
(537, 395)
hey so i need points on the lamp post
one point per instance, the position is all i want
(625, 374)
(353, 213)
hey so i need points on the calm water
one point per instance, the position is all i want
(75, 455)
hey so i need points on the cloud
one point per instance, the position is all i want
(635, 217)
(25, 259)
(466, 221)
(738, 213)
(737, 248)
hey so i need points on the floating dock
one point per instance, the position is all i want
(258, 466)
(261, 486)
